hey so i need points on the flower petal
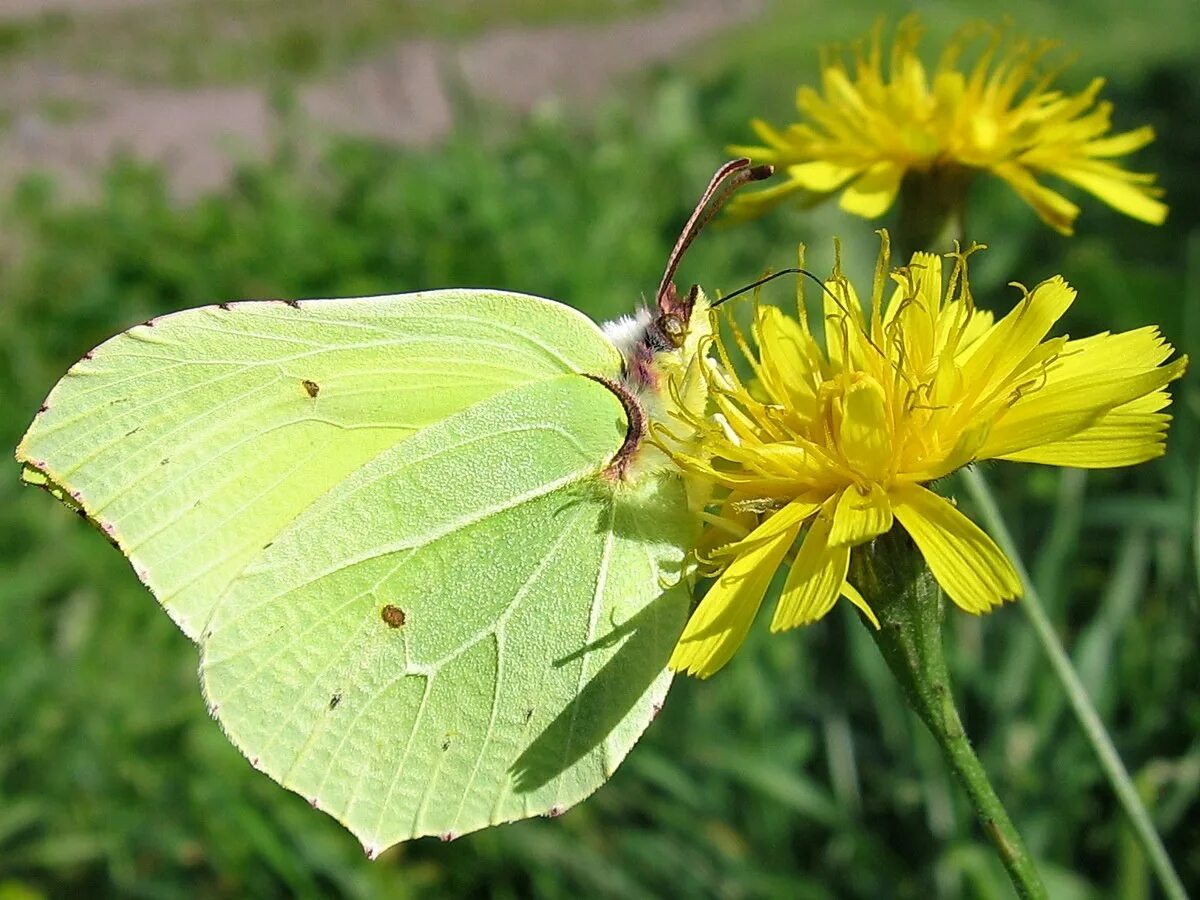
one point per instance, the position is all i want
(1120, 144)
(1132, 433)
(1111, 184)
(989, 363)
(1052, 207)
(721, 621)
(1091, 377)
(914, 307)
(872, 193)
(971, 569)
(788, 360)
(815, 581)
(865, 432)
(860, 515)
(821, 175)
(850, 592)
(751, 204)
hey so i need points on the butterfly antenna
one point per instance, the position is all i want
(727, 179)
(792, 271)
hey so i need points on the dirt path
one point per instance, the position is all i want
(400, 95)
(16, 9)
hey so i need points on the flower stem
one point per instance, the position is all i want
(1081, 703)
(932, 210)
(894, 580)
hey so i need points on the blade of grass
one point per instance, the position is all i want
(1127, 582)
(1085, 712)
(1191, 332)
(1054, 557)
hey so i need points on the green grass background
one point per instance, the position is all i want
(797, 772)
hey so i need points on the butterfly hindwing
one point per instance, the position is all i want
(484, 639)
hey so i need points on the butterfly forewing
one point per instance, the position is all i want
(194, 439)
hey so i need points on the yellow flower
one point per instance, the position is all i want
(868, 128)
(837, 441)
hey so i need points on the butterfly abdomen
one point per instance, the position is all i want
(618, 468)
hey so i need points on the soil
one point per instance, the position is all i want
(402, 95)
(15, 9)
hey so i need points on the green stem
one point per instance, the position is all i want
(1081, 703)
(896, 583)
(932, 208)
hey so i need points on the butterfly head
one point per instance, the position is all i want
(663, 346)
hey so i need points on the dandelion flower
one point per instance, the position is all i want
(871, 125)
(830, 445)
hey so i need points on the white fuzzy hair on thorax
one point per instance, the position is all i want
(627, 332)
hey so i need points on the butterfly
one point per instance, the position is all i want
(433, 562)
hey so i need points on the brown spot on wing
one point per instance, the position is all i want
(393, 616)
(311, 387)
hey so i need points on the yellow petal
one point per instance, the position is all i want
(1130, 434)
(865, 431)
(721, 621)
(751, 204)
(1052, 207)
(860, 515)
(777, 523)
(979, 323)
(1093, 376)
(842, 312)
(872, 193)
(730, 523)
(815, 581)
(991, 362)
(840, 90)
(789, 360)
(916, 302)
(772, 137)
(1111, 184)
(967, 449)
(926, 269)
(1120, 144)
(971, 569)
(822, 176)
(850, 592)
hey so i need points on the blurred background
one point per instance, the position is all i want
(159, 154)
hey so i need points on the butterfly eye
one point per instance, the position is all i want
(673, 327)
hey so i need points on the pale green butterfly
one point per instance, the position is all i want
(433, 564)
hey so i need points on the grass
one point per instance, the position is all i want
(796, 772)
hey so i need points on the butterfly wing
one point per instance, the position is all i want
(194, 439)
(469, 649)
(421, 602)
